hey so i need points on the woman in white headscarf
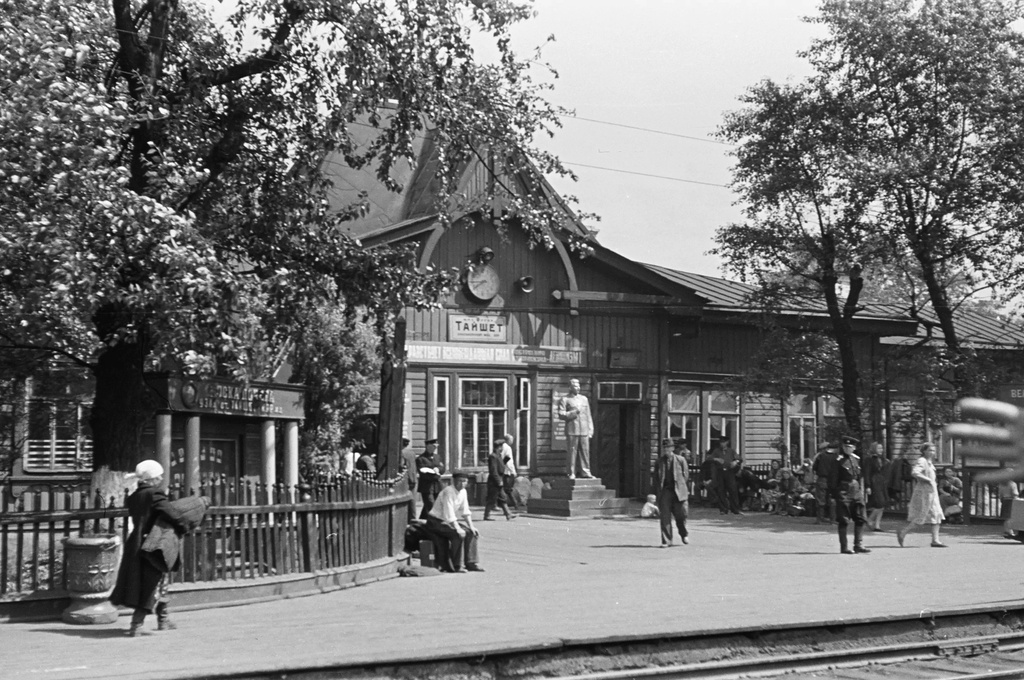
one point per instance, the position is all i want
(141, 584)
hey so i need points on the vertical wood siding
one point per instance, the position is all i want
(416, 386)
(718, 348)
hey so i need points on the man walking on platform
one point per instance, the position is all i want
(574, 409)
(671, 483)
(496, 483)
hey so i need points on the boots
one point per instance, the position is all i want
(135, 629)
(163, 618)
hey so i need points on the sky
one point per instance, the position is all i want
(672, 67)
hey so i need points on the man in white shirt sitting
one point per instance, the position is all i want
(451, 518)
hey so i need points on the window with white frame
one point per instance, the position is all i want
(723, 418)
(440, 431)
(833, 418)
(802, 423)
(620, 391)
(684, 415)
(482, 416)
(524, 435)
(59, 437)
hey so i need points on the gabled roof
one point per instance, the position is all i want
(387, 209)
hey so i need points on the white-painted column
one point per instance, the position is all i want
(268, 457)
(291, 457)
(163, 445)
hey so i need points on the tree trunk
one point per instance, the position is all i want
(963, 374)
(122, 406)
(843, 333)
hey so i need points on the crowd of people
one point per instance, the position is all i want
(836, 486)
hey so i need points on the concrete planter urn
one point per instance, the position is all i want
(91, 564)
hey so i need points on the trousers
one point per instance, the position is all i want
(579, 451)
(463, 548)
(669, 508)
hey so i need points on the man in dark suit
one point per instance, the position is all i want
(496, 484)
(671, 484)
(429, 469)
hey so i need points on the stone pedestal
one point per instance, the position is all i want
(91, 569)
(572, 498)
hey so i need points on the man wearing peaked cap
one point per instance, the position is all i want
(429, 469)
(848, 494)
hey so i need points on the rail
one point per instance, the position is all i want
(331, 522)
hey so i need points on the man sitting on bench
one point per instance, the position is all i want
(451, 518)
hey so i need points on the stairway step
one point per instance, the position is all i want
(578, 494)
(541, 504)
(566, 483)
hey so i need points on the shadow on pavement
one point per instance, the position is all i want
(87, 632)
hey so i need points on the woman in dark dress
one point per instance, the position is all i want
(876, 477)
(140, 584)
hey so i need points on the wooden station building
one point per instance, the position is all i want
(653, 348)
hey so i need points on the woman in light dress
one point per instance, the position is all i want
(924, 507)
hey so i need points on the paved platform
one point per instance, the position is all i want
(552, 582)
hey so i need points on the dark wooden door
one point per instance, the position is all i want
(614, 448)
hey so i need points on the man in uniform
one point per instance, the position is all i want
(430, 470)
(574, 409)
(847, 492)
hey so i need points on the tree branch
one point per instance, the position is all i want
(270, 59)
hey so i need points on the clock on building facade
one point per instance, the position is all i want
(482, 282)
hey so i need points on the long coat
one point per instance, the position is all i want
(680, 474)
(138, 578)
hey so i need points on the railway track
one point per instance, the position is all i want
(988, 657)
(984, 643)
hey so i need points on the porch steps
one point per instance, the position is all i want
(574, 498)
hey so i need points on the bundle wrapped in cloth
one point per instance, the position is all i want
(162, 546)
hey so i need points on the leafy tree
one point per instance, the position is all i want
(936, 90)
(337, 358)
(900, 153)
(161, 200)
(804, 231)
